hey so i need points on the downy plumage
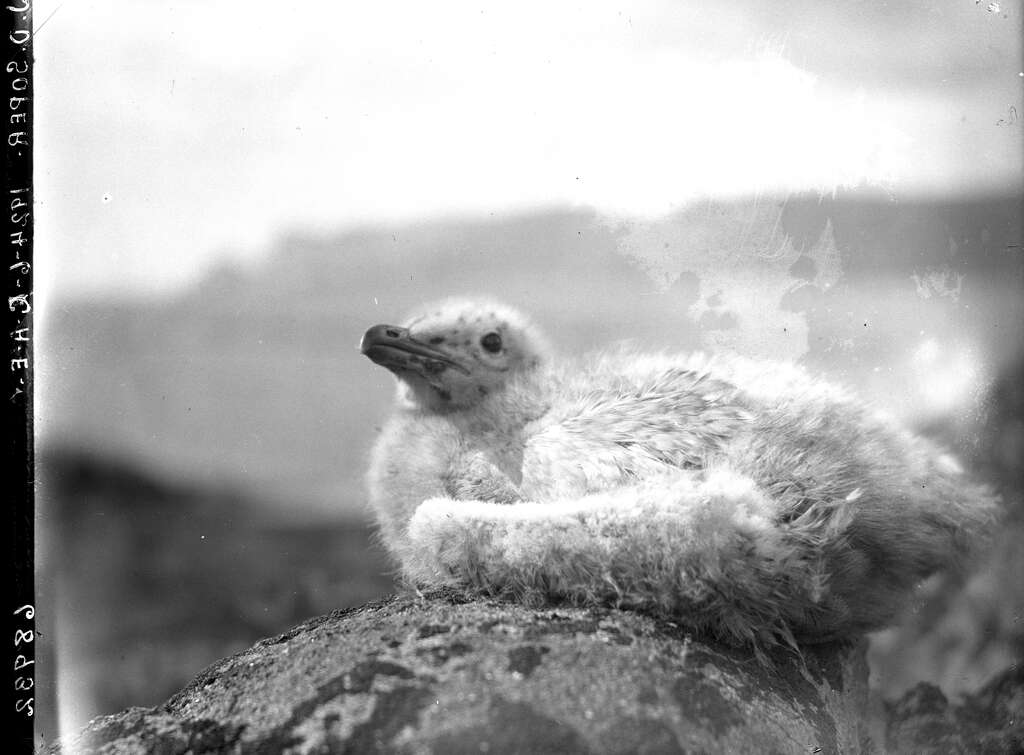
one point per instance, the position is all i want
(743, 498)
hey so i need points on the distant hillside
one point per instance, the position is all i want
(252, 379)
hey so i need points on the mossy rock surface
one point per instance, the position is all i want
(444, 673)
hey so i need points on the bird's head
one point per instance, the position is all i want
(453, 354)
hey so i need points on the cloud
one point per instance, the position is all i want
(212, 127)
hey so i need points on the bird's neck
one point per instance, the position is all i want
(506, 411)
(417, 395)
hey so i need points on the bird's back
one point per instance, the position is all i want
(879, 507)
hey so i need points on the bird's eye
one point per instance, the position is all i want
(491, 342)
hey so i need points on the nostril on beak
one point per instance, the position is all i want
(392, 336)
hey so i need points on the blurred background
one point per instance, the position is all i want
(229, 194)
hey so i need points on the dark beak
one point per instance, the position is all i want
(392, 347)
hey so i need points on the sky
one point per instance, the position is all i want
(174, 136)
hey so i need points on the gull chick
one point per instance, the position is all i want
(742, 498)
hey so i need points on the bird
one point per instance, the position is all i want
(744, 499)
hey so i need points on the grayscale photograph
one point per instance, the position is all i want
(529, 377)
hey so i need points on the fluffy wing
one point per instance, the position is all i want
(699, 549)
(702, 548)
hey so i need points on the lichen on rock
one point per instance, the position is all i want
(446, 673)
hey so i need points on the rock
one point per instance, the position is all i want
(444, 673)
(989, 721)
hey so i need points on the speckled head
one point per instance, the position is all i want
(452, 354)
